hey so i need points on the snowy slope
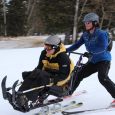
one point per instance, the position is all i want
(14, 61)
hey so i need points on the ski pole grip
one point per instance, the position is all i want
(75, 53)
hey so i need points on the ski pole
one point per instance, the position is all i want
(36, 88)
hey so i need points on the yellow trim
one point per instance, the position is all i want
(47, 64)
(50, 65)
(63, 82)
(62, 49)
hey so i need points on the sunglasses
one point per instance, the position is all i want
(89, 22)
(48, 47)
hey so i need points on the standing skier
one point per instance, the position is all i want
(96, 43)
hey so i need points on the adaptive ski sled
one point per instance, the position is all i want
(19, 101)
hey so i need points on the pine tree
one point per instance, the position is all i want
(1, 19)
(16, 18)
(57, 15)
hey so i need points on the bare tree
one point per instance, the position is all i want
(75, 20)
(82, 10)
(30, 8)
(103, 14)
(104, 8)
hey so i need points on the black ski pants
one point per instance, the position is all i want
(34, 79)
(102, 68)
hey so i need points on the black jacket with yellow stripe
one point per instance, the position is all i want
(58, 65)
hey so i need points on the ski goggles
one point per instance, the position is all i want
(48, 47)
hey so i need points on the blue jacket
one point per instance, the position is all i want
(95, 43)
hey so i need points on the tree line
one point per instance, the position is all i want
(35, 17)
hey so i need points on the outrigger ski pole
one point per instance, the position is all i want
(36, 88)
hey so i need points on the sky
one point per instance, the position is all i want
(14, 61)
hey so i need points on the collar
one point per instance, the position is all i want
(61, 49)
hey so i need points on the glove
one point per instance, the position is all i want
(34, 74)
(25, 74)
(55, 81)
(66, 51)
(87, 54)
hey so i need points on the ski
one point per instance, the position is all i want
(4, 89)
(71, 105)
(56, 101)
(88, 110)
(14, 92)
(49, 102)
(58, 108)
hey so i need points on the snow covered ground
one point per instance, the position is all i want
(14, 61)
(24, 41)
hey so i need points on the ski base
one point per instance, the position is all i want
(71, 105)
(89, 110)
(59, 108)
(53, 101)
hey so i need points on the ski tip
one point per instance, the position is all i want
(15, 83)
(5, 76)
(3, 80)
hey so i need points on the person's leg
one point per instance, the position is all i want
(56, 91)
(26, 84)
(21, 100)
(86, 71)
(103, 69)
(38, 78)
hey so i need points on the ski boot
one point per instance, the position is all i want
(22, 102)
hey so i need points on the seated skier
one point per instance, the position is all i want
(53, 69)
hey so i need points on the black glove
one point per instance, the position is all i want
(34, 74)
(87, 54)
(66, 51)
(55, 81)
(25, 74)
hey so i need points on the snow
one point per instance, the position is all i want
(14, 61)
